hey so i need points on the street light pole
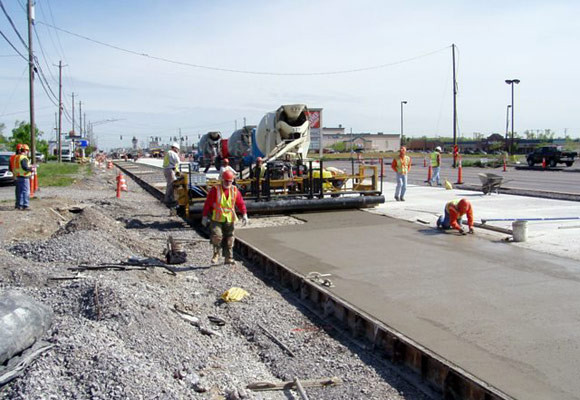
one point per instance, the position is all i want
(511, 82)
(507, 125)
(402, 137)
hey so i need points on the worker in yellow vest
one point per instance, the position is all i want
(12, 167)
(436, 166)
(401, 165)
(221, 202)
(23, 171)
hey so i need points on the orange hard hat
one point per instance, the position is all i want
(226, 161)
(228, 176)
(463, 205)
(24, 147)
(18, 146)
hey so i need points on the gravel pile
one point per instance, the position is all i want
(116, 334)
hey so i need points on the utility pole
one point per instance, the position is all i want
(80, 118)
(73, 113)
(31, 82)
(454, 106)
(59, 128)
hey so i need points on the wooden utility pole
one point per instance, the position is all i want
(31, 82)
(80, 119)
(59, 111)
(73, 113)
(454, 105)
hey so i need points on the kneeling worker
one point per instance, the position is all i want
(221, 202)
(454, 210)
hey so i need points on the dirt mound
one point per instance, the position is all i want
(87, 219)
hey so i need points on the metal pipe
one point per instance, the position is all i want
(483, 221)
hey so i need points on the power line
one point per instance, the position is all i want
(13, 26)
(345, 71)
(45, 58)
(11, 45)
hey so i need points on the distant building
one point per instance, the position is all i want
(361, 141)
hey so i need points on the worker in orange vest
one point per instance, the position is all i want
(23, 171)
(401, 165)
(222, 201)
(454, 210)
(12, 166)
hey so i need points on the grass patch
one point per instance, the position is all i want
(63, 174)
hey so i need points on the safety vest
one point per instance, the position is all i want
(403, 165)
(166, 160)
(18, 170)
(223, 209)
(453, 203)
(435, 159)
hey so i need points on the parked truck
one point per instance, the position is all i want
(553, 155)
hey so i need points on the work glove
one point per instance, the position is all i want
(205, 221)
(471, 231)
(245, 220)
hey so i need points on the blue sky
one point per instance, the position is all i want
(533, 41)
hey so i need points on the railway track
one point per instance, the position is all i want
(424, 368)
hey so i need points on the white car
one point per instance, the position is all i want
(5, 175)
(40, 157)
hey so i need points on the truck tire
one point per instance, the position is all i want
(569, 163)
(531, 162)
(553, 163)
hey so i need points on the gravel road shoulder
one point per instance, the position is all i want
(115, 332)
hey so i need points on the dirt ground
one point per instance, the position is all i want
(115, 332)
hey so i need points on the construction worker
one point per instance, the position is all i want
(170, 162)
(12, 167)
(454, 210)
(401, 165)
(23, 171)
(221, 202)
(436, 165)
(226, 167)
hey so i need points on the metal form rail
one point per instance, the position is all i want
(417, 363)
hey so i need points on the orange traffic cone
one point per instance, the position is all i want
(429, 173)
(459, 173)
(36, 182)
(544, 163)
(504, 165)
(31, 187)
(121, 185)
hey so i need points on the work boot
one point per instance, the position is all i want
(397, 198)
(216, 257)
(402, 198)
(229, 261)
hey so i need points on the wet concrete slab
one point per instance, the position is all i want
(509, 316)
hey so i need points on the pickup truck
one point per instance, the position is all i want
(553, 154)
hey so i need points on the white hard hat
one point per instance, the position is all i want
(438, 148)
(175, 145)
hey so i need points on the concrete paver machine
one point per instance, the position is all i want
(287, 181)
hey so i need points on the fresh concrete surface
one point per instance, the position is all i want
(505, 314)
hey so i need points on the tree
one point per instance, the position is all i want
(21, 134)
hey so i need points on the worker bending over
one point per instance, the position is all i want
(454, 210)
(221, 202)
